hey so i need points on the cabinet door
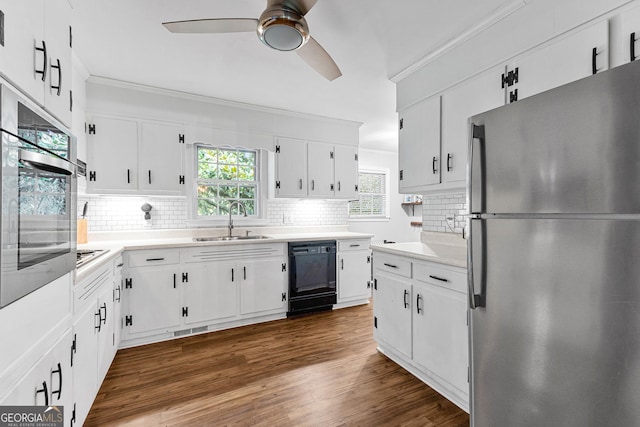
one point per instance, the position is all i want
(630, 35)
(291, 168)
(48, 382)
(263, 286)
(419, 145)
(392, 298)
(320, 170)
(346, 172)
(113, 155)
(564, 61)
(85, 361)
(354, 275)
(23, 32)
(474, 96)
(106, 338)
(211, 292)
(440, 337)
(57, 90)
(154, 302)
(161, 156)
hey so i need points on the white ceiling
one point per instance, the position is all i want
(370, 40)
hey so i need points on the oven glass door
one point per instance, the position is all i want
(38, 199)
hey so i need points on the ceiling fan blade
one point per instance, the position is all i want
(318, 58)
(223, 25)
(302, 6)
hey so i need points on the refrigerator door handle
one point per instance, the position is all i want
(476, 179)
(476, 257)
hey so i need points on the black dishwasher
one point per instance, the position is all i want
(312, 276)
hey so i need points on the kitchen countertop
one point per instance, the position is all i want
(185, 238)
(442, 248)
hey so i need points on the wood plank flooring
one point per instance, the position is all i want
(317, 370)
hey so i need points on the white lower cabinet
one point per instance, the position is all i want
(175, 292)
(420, 321)
(49, 382)
(96, 330)
(354, 271)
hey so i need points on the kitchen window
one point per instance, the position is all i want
(373, 198)
(224, 175)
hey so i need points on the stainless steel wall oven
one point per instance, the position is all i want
(38, 197)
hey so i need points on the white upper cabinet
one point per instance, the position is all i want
(112, 147)
(128, 156)
(36, 52)
(346, 172)
(316, 170)
(474, 96)
(579, 55)
(419, 146)
(320, 170)
(291, 168)
(630, 35)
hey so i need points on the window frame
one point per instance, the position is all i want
(258, 218)
(387, 205)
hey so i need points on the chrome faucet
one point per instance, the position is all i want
(244, 209)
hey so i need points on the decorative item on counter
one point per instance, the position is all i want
(82, 226)
(146, 208)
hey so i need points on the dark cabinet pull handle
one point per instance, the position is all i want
(313, 185)
(59, 390)
(155, 259)
(339, 186)
(406, 294)
(174, 280)
(103, 319)
(98, 314)
(43, 49)
(354, 246)
(128, 176)
(59, 87)
(118, 298)
(149, 176)
(232, 279)
(45, 391)
(438, 278)
(300, 183)
(594, 54)
(449, 157)
(418, 309)
(342, 264)
(434, 165)
(244, 272)
(391, 265)
(632, 46)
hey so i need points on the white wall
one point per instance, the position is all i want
(397, 228)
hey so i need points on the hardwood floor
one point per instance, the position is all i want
(318, 370)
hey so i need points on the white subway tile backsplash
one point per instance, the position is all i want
(114, 213)
(436, 209)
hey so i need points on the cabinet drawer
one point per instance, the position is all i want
(149, 258)
(393, 264)
(436, 275)
(353, 245)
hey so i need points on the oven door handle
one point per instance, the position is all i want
(46, 163)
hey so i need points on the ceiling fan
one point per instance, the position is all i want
(281, 26)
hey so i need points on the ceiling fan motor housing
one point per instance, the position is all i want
(283, 29)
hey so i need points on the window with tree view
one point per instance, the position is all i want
(226, 175)
(372, 196)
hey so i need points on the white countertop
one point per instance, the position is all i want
(185, 239)
(435, 247)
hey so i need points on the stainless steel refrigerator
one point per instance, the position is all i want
(554, 257)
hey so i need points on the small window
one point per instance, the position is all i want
(372, 201)
(223, 176)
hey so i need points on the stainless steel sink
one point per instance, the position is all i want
(226, 238)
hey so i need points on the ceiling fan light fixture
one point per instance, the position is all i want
(283, 29)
